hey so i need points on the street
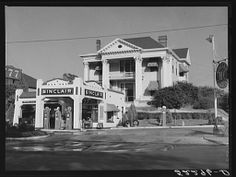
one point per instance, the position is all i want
(128, 149)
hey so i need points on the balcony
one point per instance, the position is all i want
(121, 75)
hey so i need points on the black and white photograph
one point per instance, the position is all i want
(97, 88)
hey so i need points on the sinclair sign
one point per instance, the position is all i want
(222, 75)
(57, 91)
(13, 73)
(93, 93)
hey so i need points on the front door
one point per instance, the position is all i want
(129, 91)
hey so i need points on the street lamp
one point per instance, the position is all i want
(211, 40)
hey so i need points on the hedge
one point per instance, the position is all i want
(22, 130)
(183, 115)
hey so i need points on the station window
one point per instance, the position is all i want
(110, 116)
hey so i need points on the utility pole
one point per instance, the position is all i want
(211, 40)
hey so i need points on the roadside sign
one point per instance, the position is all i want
(12, 72)
(222, 75)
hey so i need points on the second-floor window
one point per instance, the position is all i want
(127, 66)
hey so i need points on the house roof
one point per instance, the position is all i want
(144, 42)
(181, 53)
(28, 95)
(29, 81)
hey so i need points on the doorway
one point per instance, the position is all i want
(28, 114)
(52, 107)
(90, 110)
(63, 103)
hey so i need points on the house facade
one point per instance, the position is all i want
(137, 66)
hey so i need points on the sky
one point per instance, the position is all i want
(50, 59)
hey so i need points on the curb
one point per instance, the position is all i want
(28, 138)
(214, 141)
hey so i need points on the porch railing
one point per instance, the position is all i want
(122, 75)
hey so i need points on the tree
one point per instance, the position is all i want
(183, 93)
(68, 76)
(224, 102)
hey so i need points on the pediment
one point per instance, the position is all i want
(119, 46)
(93, 84)
(57, 82)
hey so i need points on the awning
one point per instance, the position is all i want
(112, 107)
(153, 85)
(152, 64)
(183, 69)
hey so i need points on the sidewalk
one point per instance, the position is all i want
(156, 127)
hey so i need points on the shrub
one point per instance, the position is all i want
(25, 127)
(22, 130)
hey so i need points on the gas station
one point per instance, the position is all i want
(61, 104)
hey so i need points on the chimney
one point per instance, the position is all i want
(98, 44)
(163, 40)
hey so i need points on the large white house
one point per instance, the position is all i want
(137, 66)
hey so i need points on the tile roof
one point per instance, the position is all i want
(28, 95)
(29, 81)
(144, 42)
(181, 53)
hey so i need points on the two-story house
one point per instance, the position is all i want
(137, 66)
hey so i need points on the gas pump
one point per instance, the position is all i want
(46, 115)
(57, 119)
(68, 118)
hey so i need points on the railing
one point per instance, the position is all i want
(122, 75)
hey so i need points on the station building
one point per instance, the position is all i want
(72, 100)
(137, 66)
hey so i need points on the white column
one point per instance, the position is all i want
(39, 106)
(77, 113)
(17, 110)
(102, 114)
(86, 71)
(138, 77)
(105, 74)
(166, 72)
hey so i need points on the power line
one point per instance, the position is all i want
(103, 36)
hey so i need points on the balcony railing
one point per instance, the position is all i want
(122, 75)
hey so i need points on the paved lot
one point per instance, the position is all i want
(126, 149)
